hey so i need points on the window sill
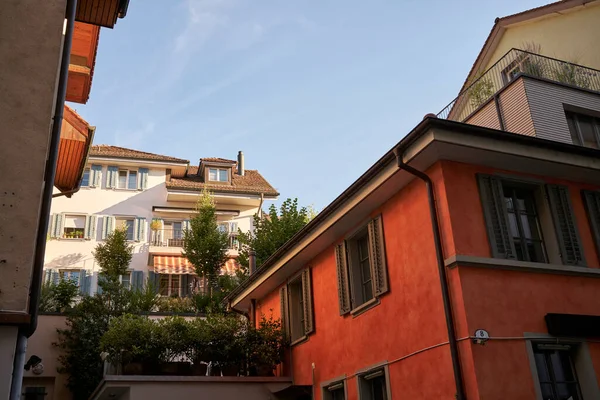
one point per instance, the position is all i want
(364, 307)
(520, 266)
(126, 190)
(300, 340)
(74, 239)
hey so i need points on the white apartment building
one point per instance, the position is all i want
(154, 197)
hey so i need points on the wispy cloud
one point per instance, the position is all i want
(205, 18)
(134, 138)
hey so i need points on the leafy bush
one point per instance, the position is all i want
(58, 297)
(133, 338)
(265, 346)
(177, 305)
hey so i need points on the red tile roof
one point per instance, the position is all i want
(251, 183)
(104, 150)
(218, 159)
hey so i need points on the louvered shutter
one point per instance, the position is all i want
(283, 305)
(96, 172)
(234, 227)
(111, 176)
(140, 227)
(185, 225)
(377, 261)
(153, 280)
(496, 217)
(81, 282)
(87, 284)
(90, 227)
(47, 276)
(569, 243)
(592, 206)
(137, 280)
(60, 225)
(343, 281)
(309, 320)
(54, 277)
(111, 222)
(52, 226)
(185, 286)
(142, 178)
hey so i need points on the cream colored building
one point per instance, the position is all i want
(154, 197)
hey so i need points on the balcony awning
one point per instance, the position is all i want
(172, 265)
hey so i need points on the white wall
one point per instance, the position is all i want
(100, 201)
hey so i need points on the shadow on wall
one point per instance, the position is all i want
(70, 261)
(139, 204)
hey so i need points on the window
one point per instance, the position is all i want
(127, 179)
(361, 267)
(296, 307)
(173, 234)
(35, 393)
(73, 226)
(334, 391)
(373, 385)
(169, 285)
(218, 174)
(129, 225)
(556, 372)
(584, 129)
(524, 223)
(85, 179)
(70, 274)
(530, 221)
(125, 280)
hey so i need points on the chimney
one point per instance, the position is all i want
(240, 166)
(252, 262)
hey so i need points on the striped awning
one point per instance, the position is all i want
(172, 265)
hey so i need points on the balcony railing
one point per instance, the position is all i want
(513, 64)
(174, 238)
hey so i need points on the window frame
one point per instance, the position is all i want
(127, 179)
(120, 219)
(363, 385)
(328, 384)
(169, 285)
(298, 318)
(71, 215)
(67, 273)
(218, 171)
(575, 118)
(87, 170)
(580, 357)
(128, 273)
(355, 268)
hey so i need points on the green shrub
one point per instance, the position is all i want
(133, 338)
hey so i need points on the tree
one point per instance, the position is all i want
(204, 245)
(272, 230)
(113, 256)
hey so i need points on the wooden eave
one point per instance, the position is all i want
(83, 58)
(101, 12)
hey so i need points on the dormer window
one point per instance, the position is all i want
(218, 174)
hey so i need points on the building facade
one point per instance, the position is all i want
(465, 263)
(153, 196)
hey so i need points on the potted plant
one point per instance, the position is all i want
(265, 346)
(132, 342)
(198, 346)
(173, 333)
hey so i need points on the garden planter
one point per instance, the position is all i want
(133, 368)
(175, 368)
(230, 370)
(199, 369)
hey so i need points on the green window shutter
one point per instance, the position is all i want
(87, 284)
(137, 280)
(104, 232)
(496, 217)
(309, 319)
(96, 173)
(90, 227)
(111, 176)
(52, 226)
(111, 225)
(93, 224)
(283, 308)
(153, 280)
(569, 243)
(592, 206)
(139, 229)
(377, 257)
(185, 225)
(343, 281)
(47, 276)
(143, 178)
(59, 225)
(185, 286)
(82, 281)
(54, 276)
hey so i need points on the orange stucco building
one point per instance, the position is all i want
(485, 287)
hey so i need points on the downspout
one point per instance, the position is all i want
(49, 173)
(499, 111)
(458, 380)
(40, 248)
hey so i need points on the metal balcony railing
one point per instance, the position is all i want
(512, 65)
(174, 238)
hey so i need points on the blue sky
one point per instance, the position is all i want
(313, 91)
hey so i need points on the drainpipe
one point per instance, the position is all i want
(252, 261)
(49, 173)
(460, 391)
